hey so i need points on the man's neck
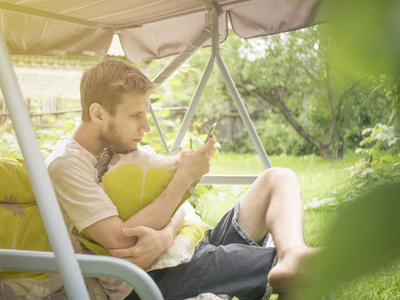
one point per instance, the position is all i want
(88, 135)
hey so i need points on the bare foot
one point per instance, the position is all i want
(290, 272)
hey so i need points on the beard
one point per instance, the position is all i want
(115, 141)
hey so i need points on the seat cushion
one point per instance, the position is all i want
(21, 225)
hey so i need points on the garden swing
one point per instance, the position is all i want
(147, 30)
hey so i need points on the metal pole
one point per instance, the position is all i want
(234, 92)
(195, 100)
(40, 180)
(228, 179)
(243, 112)
(210, 18)
(183, 56)
(91, 265)
(159, 129)
(172, 67)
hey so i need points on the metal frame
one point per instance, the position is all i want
(91, 265)
(64, 260)
(211, 31)
(41, 183)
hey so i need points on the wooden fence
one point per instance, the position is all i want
(37, 110)
(229, 127)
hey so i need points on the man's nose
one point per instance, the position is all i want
(146, 126)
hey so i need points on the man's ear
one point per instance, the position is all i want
(96, 113)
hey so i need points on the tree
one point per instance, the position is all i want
(293, 74)
(289, 74)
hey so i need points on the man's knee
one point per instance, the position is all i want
(277, 175)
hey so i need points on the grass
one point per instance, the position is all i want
(318, 176)
(319, 179)
(383, 284)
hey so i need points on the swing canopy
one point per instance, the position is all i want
(147, 29)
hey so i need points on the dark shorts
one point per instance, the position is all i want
(227, 262)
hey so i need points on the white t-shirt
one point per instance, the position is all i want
(74, 174)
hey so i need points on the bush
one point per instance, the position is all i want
(379, 165)
(277, 137)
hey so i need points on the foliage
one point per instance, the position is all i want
(295, 75)
(362, 238)
(380, 162)
(48, 129)
(276, 135)
(365, 35)
(9, 145)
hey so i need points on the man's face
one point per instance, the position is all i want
(125, 130)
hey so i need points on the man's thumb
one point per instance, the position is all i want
(136, 231)
(209, 144)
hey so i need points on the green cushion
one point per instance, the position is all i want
(21, 225)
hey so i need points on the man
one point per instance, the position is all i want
(232, 259)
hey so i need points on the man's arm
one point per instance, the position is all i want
(150, 243)
(192, 166)
(85, 202)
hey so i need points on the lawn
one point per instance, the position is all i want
(319, 179)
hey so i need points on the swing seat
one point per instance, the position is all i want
(26, 250)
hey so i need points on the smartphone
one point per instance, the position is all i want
(211, 132)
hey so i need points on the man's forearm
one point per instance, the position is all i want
(176, 223)
(157, 216)
(150, 243)
(169, 232)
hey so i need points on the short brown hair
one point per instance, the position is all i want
(106, 82)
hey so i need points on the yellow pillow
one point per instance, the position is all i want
(135, 179)
(21, 225)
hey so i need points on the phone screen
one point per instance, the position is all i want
(211, 132)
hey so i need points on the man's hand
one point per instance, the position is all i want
(150, 243)
(149, 246)
(194, 164)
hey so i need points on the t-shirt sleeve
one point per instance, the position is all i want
(81, 198)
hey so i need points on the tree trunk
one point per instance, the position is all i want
(324, 151)
(339, 147)
(275, 97)
(340, 140)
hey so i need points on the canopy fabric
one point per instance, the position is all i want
(147, 29)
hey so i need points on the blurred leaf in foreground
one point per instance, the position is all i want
(366, 35)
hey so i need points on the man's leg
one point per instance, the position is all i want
(236, 269)
(273, 203)
(227, 262)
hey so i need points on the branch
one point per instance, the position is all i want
(287, 114)
(309, 73)
(345, 94)
(330, 92)
(338, 113)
